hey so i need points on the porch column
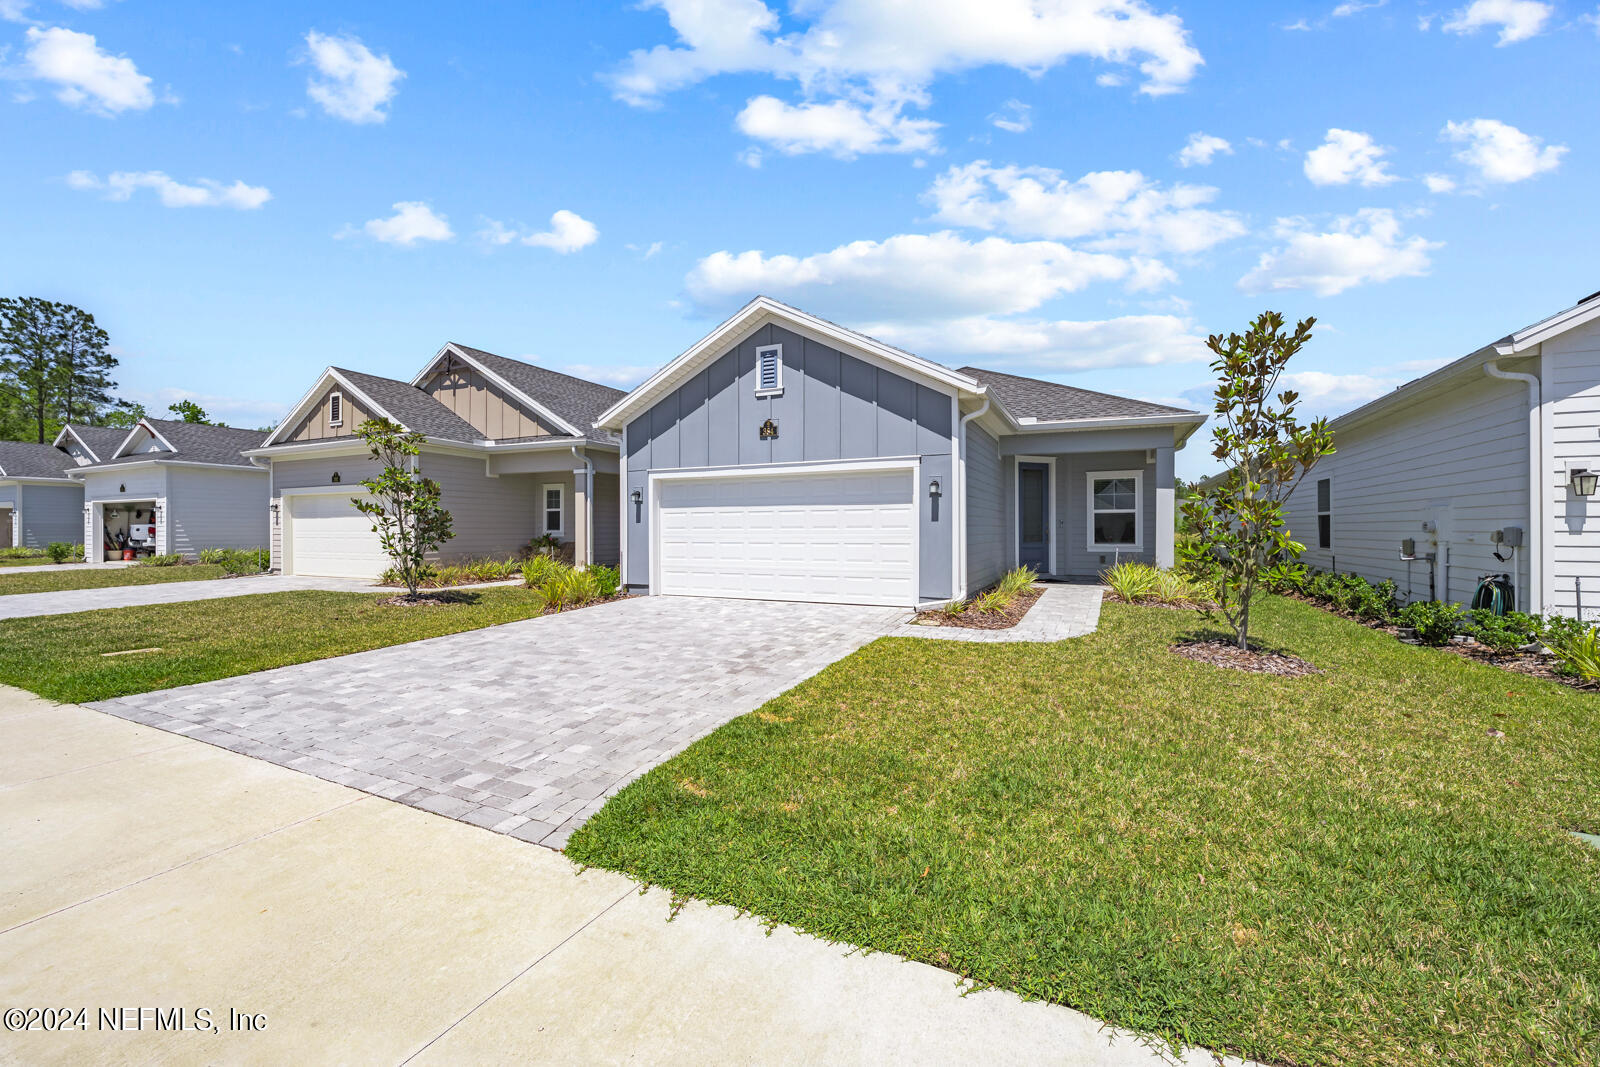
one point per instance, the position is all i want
(1166, 511)
(580, 517)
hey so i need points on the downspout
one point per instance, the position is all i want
(588, 505)
(960, 516)
(1533, 602)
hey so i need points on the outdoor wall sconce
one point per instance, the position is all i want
(335, 477)
(1584, 481)
(933, 487)
(122, 489)
(636, 497)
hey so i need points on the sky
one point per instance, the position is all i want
(1078, 190)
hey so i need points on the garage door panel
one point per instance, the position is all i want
(846, 537)
(330, 538)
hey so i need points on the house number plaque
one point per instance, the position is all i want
(769, 430)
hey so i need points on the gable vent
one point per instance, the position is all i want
(769, 369)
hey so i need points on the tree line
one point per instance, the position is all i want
(56, 367)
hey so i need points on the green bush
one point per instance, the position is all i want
(540, 569)
(1502, 634)
(1435, 621)
(238, 560)
(568, 589)
(1576, 648)
(58, 551)
(171, 559)
(1130, 582)
(607, 579)
(1282, 578)
(20, 552)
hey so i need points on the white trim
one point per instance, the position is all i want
(353, 489)
(299, 411)
(66, 428)
(544, 507)
(624, 513)
(759, 312)
(335, 398)
(6, 479)
(107, 468)
(911, 465)
(1138, 511)
(539, 409)
(963, 435)
(144, 425)
(1050, 507)
(777, 377)
(286, 499)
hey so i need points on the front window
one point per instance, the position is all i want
(1114, 509)
(552, 509)
(1325, 513)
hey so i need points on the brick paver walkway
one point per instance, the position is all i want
(524, 728)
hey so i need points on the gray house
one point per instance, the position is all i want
(785, 457)
(167, 487)
(512, 446)
(38, 502)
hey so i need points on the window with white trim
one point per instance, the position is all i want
(1114, 499)
(1324, 512)
(335, 409)
(553, 498)
(769, 370)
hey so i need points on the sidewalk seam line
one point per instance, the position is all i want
(102, 763)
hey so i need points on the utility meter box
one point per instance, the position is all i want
(1510, 536)
(1408, 549)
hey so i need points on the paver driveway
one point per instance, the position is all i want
(524, 728)
(66, 601)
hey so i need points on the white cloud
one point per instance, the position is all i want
(412, 221)
(1109, 80)
(351, 83)
(1355, 7)
(1043, 345)
(1439, 183)
(121, 185)
(876, 57)
(1325, 394)
(568, 232)
(917, 276)
(1502, 153)
(1201, 149)
(1361, 248)
(84, 75)
(1014, 117)
(14, 10)
(750, 157)
(1347, 156)
(1517, 19)
(1118, 209)
(842, 128)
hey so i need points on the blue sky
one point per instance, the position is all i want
(244, 194)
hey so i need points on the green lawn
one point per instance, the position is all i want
(1344, 868)
(59, 656)
(100, 578)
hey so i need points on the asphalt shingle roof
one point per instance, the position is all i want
(29, 459)
(193, 442)
(412, 407)
(577, 400)
(1030, 398)
(101, 440)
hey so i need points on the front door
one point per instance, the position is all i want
(1033, 516)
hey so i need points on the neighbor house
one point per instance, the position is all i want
(39, 504)
(512, 446)
(784, 457)
(1485, 466)
(169, 488)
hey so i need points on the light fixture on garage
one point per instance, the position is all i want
(335, 477)
(274, 514)
(636, 496)
(933, 487)
(1584, 481)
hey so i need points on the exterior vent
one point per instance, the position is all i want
(769, 370)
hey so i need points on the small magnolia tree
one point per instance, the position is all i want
(404, 505)
(1239, 520)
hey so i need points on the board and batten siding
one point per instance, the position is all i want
(607, 519)
(316, 425)
(1571, 392)
(208, 508)
(1457, 457)
(833, 407)
(491, 410)
(986, 553)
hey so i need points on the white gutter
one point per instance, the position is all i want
(1533, 601)
(588, 505)
(960, 516)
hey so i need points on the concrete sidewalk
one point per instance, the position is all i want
(150, 871)
(34, 568)
(66, 601)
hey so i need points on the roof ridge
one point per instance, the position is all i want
(539, 367)
(1076, 389)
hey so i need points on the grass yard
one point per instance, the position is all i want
(100, 578)
(1341, 868)
(59, 656)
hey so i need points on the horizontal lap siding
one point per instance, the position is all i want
(1460, 455)
(986, 556)
(492, 516)
(1572, 395)
(216, 509)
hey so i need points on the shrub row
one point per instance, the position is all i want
(559, 586)
(1140, 583)
(463, 573)
(238, 560)
(998, 597)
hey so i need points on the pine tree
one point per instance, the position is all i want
(55, 366)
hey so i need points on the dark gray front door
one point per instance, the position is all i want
(1033, 516)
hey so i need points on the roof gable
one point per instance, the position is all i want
(758, 313)
(575, 402)
(399, 402)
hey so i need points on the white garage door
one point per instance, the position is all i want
(837, 537)
(329, 538)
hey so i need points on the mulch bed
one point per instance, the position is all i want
(973, 619)
(427, 599)
(1220, 653)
